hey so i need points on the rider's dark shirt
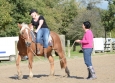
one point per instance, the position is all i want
(36, 24)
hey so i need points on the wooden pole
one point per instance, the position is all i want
(68, 44)
(111, 49)
(93, 49)
(62, 37)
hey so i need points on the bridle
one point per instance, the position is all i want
(26, 36)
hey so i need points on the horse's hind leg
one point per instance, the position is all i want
(18, 67)
(63, 63)
(51, 60)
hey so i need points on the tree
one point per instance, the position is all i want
(108, 18)
(60, 15)
(69, 12)
(5, 18)
(76, 31)
(89, 4)
(85, 14)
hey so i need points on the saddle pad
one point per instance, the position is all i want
(50, 43)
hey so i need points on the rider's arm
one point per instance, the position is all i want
(40, 24)
(31, 27)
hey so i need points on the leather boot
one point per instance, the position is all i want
(38, 48)
(89, 74)
(45, 52)
(92, 72)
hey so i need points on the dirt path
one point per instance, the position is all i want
(104, 66)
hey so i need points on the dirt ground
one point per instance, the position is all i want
(104, 66)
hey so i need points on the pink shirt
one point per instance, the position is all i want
(87, 41)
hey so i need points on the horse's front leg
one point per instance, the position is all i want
(18, 67)
(51, 60)
(30, 60)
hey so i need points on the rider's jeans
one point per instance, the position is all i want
(43, 33)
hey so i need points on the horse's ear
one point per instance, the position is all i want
(19, 25)
(30, 25)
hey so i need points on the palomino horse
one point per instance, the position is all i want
(26, 46)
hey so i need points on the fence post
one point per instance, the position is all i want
(68, 44)
(62, 38)
(16, 51)
(111, 49)
(93, 49)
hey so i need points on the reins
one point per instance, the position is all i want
(72, 45)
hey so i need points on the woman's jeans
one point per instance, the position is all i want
(43, 33)
(87, 56)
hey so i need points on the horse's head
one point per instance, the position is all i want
(25, 33)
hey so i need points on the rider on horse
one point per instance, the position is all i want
(41, 30)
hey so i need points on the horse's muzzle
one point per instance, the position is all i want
(28, 44)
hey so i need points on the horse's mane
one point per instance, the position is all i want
(23, 27)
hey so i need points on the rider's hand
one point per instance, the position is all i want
(78, 41)
(36, 31)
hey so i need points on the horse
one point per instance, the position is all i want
(26, 46)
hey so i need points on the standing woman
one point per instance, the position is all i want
(87, 47)
(42, 30)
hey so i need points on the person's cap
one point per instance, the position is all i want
(32, 10)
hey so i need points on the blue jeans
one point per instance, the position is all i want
(43, 33)
(87, 56)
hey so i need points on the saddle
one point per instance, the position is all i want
(33, 34)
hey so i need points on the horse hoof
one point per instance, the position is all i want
(20, 77)
(68, 75)
(64, 76)
(29, 77)
(51, 75)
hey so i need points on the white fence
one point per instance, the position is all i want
(100, 44)
(7, 48)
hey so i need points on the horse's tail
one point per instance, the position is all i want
(56, 53)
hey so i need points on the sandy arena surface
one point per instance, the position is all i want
(104, 66)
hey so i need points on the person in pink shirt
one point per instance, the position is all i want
(87, 47)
